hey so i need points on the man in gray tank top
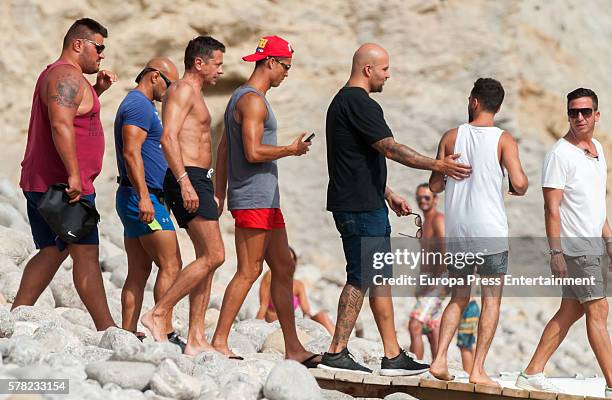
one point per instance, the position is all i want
(246, 165)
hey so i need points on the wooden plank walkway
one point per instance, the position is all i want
(369, 385)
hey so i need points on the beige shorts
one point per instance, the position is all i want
(590, 267)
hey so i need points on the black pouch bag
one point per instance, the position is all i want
(71, 222)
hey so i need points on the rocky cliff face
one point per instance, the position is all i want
(539, 50)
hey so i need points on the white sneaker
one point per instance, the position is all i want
(536, 382)
(608, 392)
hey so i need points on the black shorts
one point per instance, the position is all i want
(203, 186)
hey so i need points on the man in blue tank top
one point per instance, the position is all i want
(246, 163)
(149, 234)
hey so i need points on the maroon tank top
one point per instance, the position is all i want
(42, 165)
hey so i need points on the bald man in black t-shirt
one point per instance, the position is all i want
(358, 141)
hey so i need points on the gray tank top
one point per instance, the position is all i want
(250, 185)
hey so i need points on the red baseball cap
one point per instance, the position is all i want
(270, 46)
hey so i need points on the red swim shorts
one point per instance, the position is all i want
(259, 218)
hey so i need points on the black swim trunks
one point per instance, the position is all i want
(201, 180)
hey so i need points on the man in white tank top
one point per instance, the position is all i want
(574, 185)
(476, 218)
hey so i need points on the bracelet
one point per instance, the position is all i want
(554, 252)
(184, 174)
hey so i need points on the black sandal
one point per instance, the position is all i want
(310, 363)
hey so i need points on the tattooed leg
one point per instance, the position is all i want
(349, 307)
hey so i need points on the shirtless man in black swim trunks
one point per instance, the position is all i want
(188, 189)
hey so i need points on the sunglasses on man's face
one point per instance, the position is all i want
(149, 69)
(99, 47)
(284, 65)
(573, 112)
(426, 198)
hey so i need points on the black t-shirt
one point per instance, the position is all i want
(357, 172)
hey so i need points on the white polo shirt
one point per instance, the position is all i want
(583, 207)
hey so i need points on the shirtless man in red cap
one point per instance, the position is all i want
(247, 162)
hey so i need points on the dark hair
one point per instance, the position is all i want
(203, 47)
(489, 93)
(83, 28)
(426, 186)
(582, 92)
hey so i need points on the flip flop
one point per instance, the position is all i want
(235, 358)
(174, 338)
(310, 363)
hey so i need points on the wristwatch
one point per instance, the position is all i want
(554, 252)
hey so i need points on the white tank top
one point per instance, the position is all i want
(474, 207)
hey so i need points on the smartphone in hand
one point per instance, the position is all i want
(309, 138)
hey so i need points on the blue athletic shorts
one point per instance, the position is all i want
(126, 204)
(41, 232)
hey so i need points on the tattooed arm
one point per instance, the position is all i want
(64, 94)
(411, 158)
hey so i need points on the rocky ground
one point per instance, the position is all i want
(539, 50)
(57, 339)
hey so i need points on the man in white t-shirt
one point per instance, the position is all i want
(574, 186)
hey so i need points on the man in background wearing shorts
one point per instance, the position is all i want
(466, 334)
(149, 234)
(426, 314)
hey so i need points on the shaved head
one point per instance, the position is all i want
(370, 67)
(165, 66)
(368, 54)
(156, 77)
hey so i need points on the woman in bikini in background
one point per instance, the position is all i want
(300, 299)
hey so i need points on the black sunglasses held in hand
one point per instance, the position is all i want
(419, 223)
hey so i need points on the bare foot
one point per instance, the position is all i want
(155, 324)
(195, 347)
(440, 371)
(483, 379)
(225, 350)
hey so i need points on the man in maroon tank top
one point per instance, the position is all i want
(66, 144)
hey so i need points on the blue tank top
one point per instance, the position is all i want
(250, 185)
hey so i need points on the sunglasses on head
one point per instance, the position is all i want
(149, 69)
(573, 112)
(99, 47)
